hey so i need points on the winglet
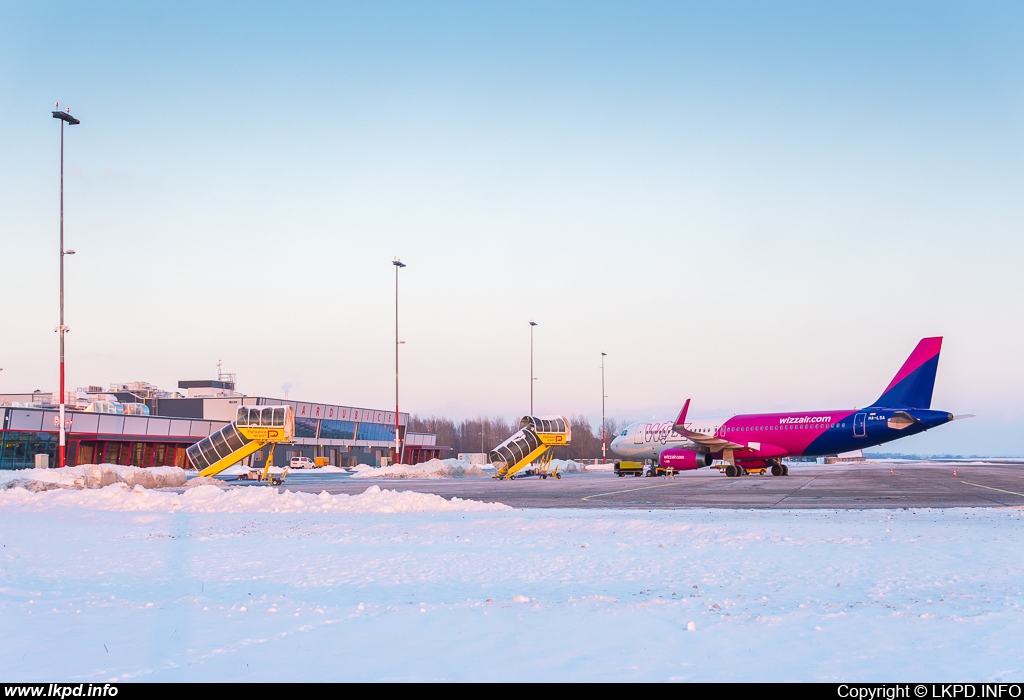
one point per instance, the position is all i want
(682, 416)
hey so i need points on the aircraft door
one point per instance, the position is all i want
(638, 435)
(860, 425)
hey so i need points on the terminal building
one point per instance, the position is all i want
(139, 425)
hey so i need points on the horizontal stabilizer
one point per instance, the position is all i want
(963, 416)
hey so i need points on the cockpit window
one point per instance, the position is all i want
(623, 433)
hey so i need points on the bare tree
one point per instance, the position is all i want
(483, 434)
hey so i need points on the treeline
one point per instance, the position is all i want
(484, 434)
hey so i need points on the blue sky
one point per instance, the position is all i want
(759, 206)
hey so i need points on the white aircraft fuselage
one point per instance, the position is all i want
(648, 439)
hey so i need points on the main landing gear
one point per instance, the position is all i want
(776, 467)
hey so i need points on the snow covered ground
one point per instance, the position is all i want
(247, 584)
(449, 469)
(432, 469)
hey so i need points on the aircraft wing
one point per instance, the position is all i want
(711, 442)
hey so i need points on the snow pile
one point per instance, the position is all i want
(434, 469)
(205, 481)
(255, 499)
(567, 466)
(94, 476)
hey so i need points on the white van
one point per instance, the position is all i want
(301, 463)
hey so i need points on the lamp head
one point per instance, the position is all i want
(64, 116)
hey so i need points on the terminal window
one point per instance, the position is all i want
(305, 427)
(376, 431)
(337, 430)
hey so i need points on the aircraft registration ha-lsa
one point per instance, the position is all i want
(762, 440)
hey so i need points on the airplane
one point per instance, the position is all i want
(762, 440)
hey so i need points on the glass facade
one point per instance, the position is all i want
(337, 429)
(376, 431)
(19, 450)
(305, 427)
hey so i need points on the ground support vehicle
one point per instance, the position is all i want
(622, 468)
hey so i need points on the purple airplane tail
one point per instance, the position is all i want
(912, 386)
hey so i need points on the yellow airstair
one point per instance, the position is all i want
(254, 428)
(534, 443)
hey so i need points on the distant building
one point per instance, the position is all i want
(854, 456)
(138, 424)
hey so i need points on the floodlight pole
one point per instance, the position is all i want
(532, 378)
(604, 449)
(398, 442)
(64, 117)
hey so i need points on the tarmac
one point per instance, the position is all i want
(858, 486)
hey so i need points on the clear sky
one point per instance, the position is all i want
(757, 205)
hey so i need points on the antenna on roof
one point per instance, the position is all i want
(225, 377)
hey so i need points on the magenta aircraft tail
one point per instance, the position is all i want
(912, 386)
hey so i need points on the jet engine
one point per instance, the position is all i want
(681, 460)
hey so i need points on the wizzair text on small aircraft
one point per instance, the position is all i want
(763, 440)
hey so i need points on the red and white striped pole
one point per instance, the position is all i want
(398, 442)
(64, 117)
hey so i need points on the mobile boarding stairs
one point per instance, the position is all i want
(254, 428)
(534, 444)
